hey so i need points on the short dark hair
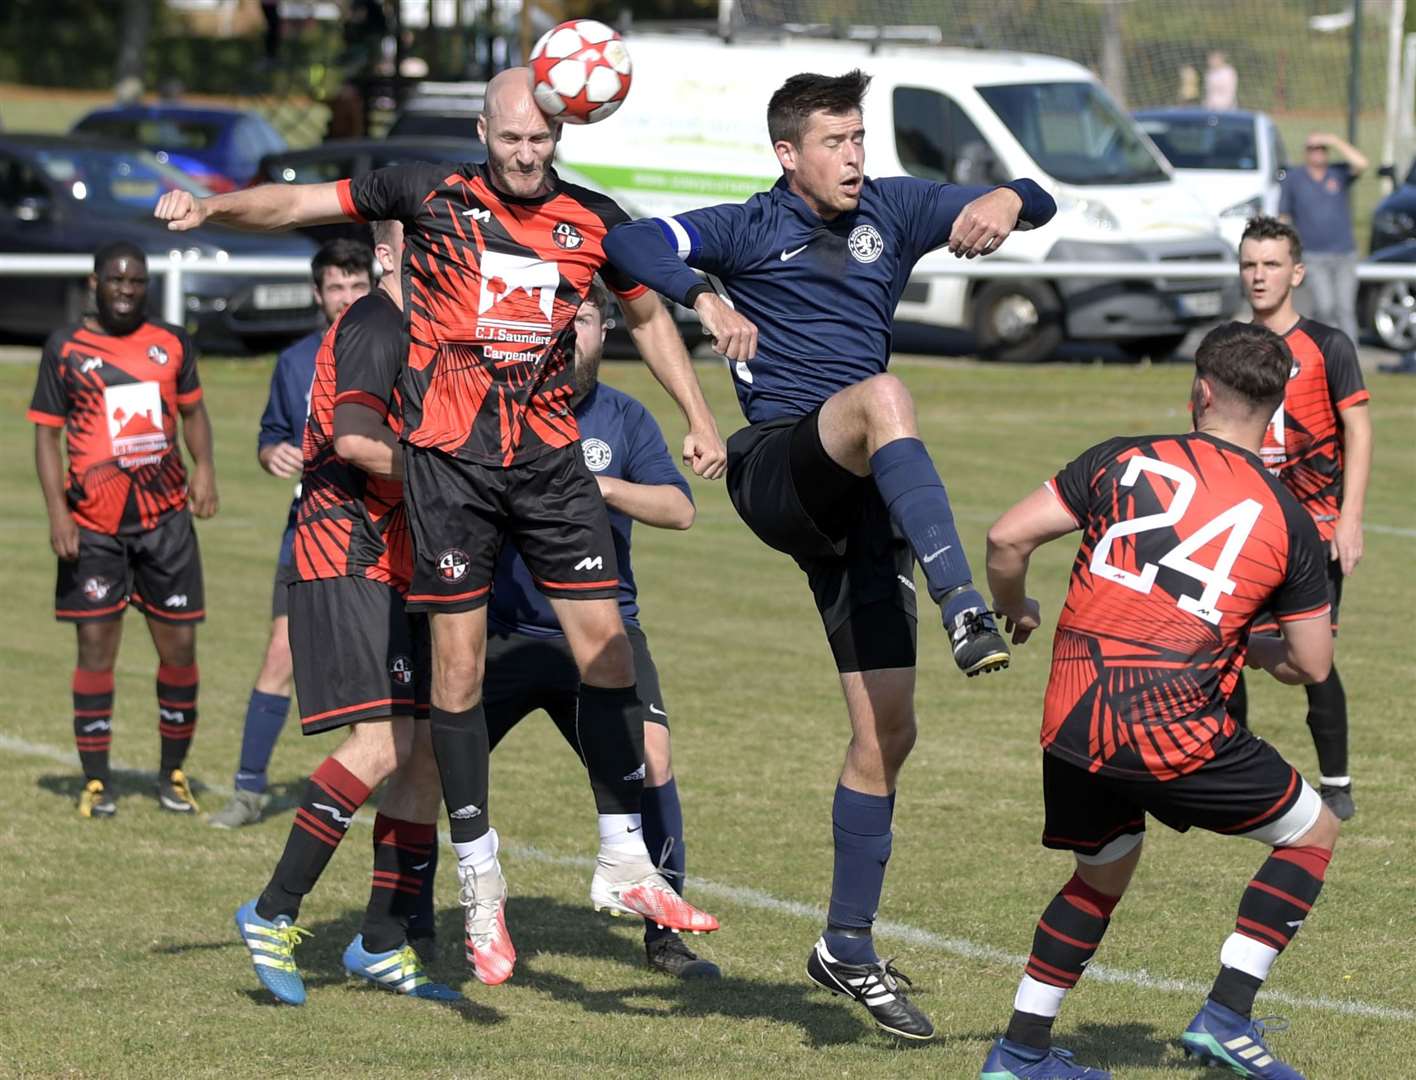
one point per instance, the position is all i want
(118, 249)
(1266, 227)
(598, 295)
(801, 95)
(1250, 360)
(383, 232)
(351, 256)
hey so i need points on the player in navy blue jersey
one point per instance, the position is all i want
(343, 271)
(529, 662)
(830, 469)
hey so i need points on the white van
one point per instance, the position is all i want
(694, 132)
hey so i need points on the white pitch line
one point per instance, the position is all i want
(1390, 530)
(745, 896)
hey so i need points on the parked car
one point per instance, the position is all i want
(71, 195)
(1232, 161)
(220, 148)
(1394, 218)
(1388, 308)
(440, 109)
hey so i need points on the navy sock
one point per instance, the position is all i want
(663, 821)
(861, 825)
(265, 716)
(919, 506)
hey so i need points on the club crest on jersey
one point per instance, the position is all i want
(865, 243)
(452, 565)
(401, 671)
(96, 589)
(157, 354)
(567, 236)
(598, 454)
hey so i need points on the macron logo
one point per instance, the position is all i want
(98, 725)
(478, 215)
(587, 563)
(92, 363)
(342, 819)
(174, 716)
(177, 599)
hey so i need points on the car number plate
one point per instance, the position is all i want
(1201, 303)
(268, 297)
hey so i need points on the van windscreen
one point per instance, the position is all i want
(1075, 132)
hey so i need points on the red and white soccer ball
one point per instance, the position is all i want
(581, 72)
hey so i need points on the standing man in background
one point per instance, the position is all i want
(1315, 201)
(342, 271)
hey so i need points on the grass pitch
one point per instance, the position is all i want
(122, 960)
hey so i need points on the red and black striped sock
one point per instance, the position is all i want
(93, 721)
(176, 713)
(1271, 911)
(1066, 939)
(403, 857)
(332, 796)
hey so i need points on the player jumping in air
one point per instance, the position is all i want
(360, 660)
(831, 469)
(114, 384)
(498, 258)
(1185, 539)
(1319, 443)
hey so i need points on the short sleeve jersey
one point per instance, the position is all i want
(619, 438)
(351, 524)
(491, 284)
(1185, 539)
(117, 399)
(1303, 444)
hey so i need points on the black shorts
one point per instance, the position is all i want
(525, 673)
(1247, 790)
(159, 571)
(1265, 623)
(550, 508)
(796, 499)
(358, 655)
(285, 576)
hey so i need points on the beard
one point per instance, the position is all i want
(123, 323)
(523, 183)
(586, 374)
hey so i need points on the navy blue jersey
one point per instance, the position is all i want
(284, 418)
(619, 438)
(821, 293)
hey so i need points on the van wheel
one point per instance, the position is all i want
(1160, 347)
(1017, 322)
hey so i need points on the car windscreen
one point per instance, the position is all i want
(1075, 132)
(1205, 142)
(115, 182)
(160, 133)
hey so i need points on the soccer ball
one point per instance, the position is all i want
(581, 72)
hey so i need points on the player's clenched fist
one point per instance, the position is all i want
(181, 210)
(705, 454)
(985, 223)
(733, 336)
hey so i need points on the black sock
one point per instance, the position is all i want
(1030, 1029)
(332, 796)
(1239, 702)
(1327, 720)
(176, 713)
(610, 723)
(464, 765)
(422, 921)
(93, 721)
(1235, 990)
(402, 853)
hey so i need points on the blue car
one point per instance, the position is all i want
(219, 148)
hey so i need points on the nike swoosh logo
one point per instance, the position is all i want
(635, 829)
(422, 866)
(935, 555)
(657, 712)
(786, 255)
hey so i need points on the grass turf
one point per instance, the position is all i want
(123, 960)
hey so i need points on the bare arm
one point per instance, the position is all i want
(267, 208)
(657, 339)
(49, 464)
(281, 459)
(1357, 470)
(1354, 157)
(663, 506)
(196, 432)
(1302, 655)
(363, 439)
(1013, 538)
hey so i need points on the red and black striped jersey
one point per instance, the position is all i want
(351, 524)
(491, 284)
(1303, 444)
(117, 399)
(1185, 539)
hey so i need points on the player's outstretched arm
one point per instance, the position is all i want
(657, 339)
(363, 439)
(267, 208)
(49, 464)
(1021, 530)
(1301, 656)
(1357, 470)
(201, 486)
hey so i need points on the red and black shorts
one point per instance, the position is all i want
(1247, 790)
(358, 654)
(159, 571)
(461, 512)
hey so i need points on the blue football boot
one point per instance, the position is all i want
(272, 949)
(398, 970)
(1220, 1036)
(1008, 1060)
